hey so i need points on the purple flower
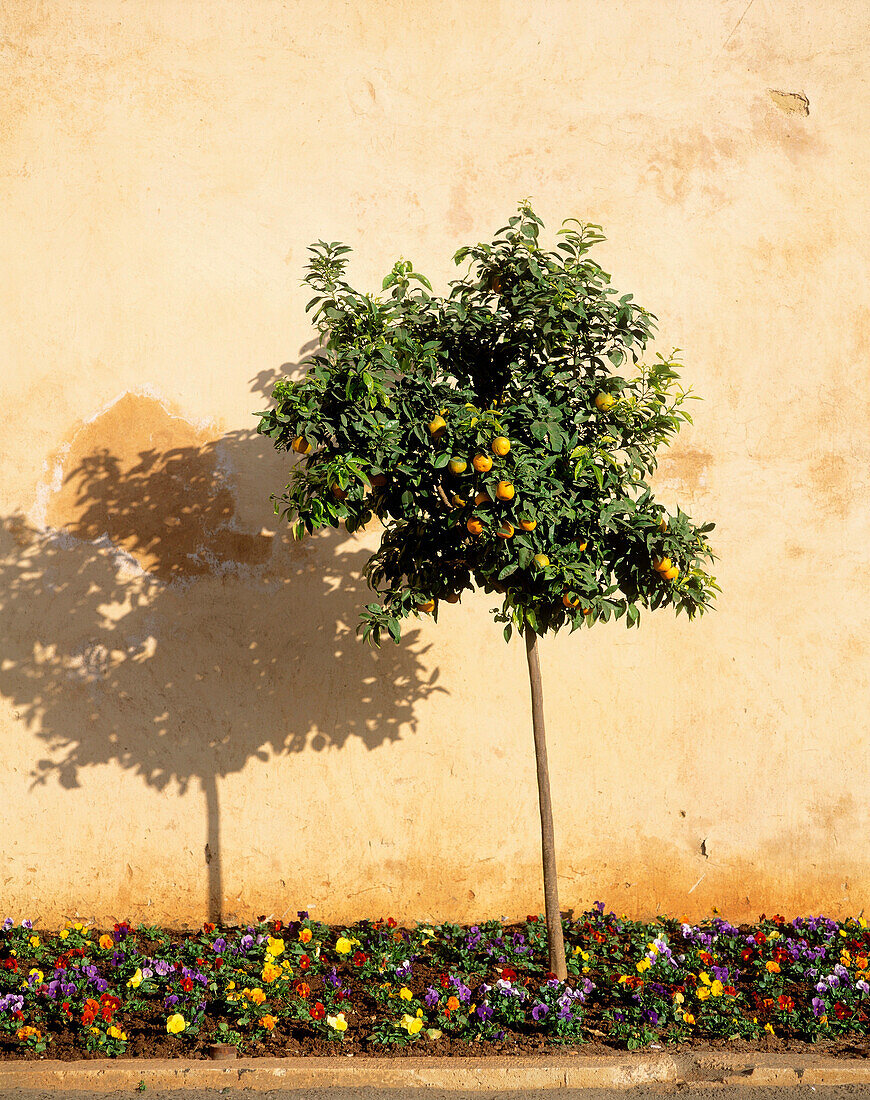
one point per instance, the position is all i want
(117, 958)
(720, 972)
(818, 1006)
(862, 985)
(483, 1011)
(821, 987)
(462, 991)
(219, 945)
(432, 997)
(170, 1001)
(162, 967)
(332, 977)
(302, 914)
(539, 1011)
(12, 1002)
(403, 970)
(246, 943)
(651, 1016)
(28, 924)
(7, 924)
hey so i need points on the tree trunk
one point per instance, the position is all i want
(555, 940)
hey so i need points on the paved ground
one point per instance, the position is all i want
(643, 1092)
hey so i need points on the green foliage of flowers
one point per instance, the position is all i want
(409, 388)
(629, 983)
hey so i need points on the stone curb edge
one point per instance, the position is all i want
(465, 1074)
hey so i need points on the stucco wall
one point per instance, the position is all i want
(188, 724)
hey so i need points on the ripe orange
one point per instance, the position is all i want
(662, 565)
(452, 598)
(482, 498)
(501, 445)
(457, 465)
(437, 426)
(475, 527)
(506, 531)
(528, 524)
(505, 490)
(338, 492)
(582, 546)
(482, 463)
(672, 573)
(571, 601)
(604, 402)
(427, 605)
(541, 560)
(301, 445)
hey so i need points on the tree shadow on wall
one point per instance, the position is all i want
(154, 625)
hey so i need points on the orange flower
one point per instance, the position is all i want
(305, 935)
(268, 1022)
(453, 1003)
(106, 942)
(773, 967)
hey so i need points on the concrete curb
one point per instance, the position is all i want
(626, 1072)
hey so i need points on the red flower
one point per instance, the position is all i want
(747, 954)
(304, 962)
(317, 1011)
(186, 984)
(359, 959)
(65, 1007)
(219, 962)
(778, 919)
(785, 1003)
(730, 990)
(705, 958)
(390, 922)
(760, 938)
(445, 981)
(208, 927)
(61, 962)
(841, 1011)
(303, 990)
(277, 925)
(531, 918)
(508, 975)
(90, 1011)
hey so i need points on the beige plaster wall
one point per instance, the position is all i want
(188, 725)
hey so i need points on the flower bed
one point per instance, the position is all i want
(305, 988)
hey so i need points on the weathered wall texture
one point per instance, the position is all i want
(187, 723)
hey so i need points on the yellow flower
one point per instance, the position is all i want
(116, 1033)
(256, 995)
(275, 947)
(176, 1023)
(405, 993)
(703, 993)
(643, 965)
(717, 989)
(136, 980)
(769, 1028)
(411, 1024)
(845, 958)
(343, 946)
(34, 941)
(64, 934)
(37, 976)
(337, 1023)
(433, 1033)
(688, 1018)
(704, 977)
(270, 972)
(268, 1022)
(106, 942)
(26, 1031)
(678, 998)
(775, 935)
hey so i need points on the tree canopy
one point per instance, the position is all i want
(503, 435)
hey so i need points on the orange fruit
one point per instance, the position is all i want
(452, 598)
(571, 601)
(662, 565)
(582, 546)
(586, 610)
(378, 480)
(505, 490)
(604, 402)
(482, 463)
(301, 445)
(482, 498)
(541, 560)
(672, 573)
(506, 531)
(457, 465)
(528, 524)
(475, 527)
(495, 284)
(501, 445)
(437, 426)
(427, 605)
(338, 492)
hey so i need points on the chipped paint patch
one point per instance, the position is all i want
(793, 103)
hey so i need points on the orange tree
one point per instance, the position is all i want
(503, 436)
